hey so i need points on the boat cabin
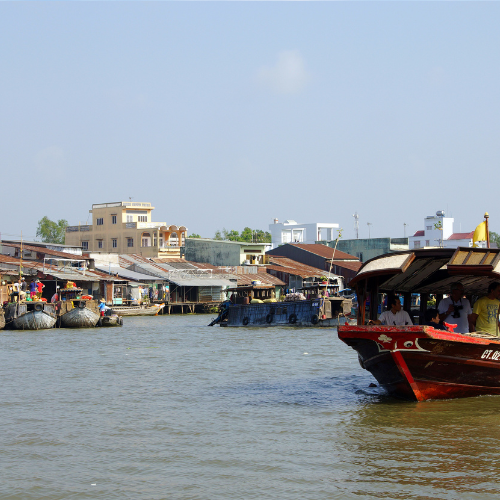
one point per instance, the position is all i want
(245, 293)
(423, 276)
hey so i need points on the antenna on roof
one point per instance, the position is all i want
(130, 198)
(356, 224)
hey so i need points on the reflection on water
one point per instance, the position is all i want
(167, 408)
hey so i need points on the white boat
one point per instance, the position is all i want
(143, 310)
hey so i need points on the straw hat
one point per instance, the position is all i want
(102, 300)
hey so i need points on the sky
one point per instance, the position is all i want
(231, 114)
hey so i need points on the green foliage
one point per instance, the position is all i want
(495, 238)
(50, 231)
(248, 235)
(194, 235)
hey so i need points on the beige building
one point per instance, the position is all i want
(126, 227)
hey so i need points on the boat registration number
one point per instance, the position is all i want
(315, 304)
(490, 354)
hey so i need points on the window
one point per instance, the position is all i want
(130, 218)
(114, 242)
(416, 244)
(85, 245)
(142, 218)
(100, 244)
(428, 228)
(100, 221)
(427, 243)
(130, 242)
(113, 219)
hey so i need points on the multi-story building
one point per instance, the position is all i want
(126, 227)
(293, 232)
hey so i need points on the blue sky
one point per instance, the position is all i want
(232, 114)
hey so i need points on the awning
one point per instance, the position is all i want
(70, 276)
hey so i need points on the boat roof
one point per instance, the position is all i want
(433, 270)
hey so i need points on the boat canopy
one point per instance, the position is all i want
(431, 271)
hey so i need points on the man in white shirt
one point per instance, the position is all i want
(394, 316)
(456, 309)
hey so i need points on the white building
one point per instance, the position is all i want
(438, 232)
(293, 232)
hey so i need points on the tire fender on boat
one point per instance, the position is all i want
(292, 319)
(269, 318)
(82, 304)
(315, 319)
(38, 307)
(246, 320)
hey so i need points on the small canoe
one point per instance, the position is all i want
(113, 320)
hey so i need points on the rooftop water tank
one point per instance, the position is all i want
(440, 213)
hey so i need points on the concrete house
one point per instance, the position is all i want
(126, 227)
(293, 232)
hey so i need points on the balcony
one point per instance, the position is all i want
(75, 229)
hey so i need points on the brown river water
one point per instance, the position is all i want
(168, 408)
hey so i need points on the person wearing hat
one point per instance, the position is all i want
(102, 306)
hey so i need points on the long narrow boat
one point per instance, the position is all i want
(142, 310)
(420, 362)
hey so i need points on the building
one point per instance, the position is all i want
(293, 232)
(320, 257)
(224, 253)
(438, 232)
(366, 249)
(127, 227)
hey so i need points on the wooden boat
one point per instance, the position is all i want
(2, 318)
(80, 316)
(111, 320)
(420, 362)
(142, 310)
(31, 315)
(296, 311)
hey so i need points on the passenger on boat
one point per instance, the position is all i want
(55, 297)
(484, 317)
(32, 289)
(456, 308)
(432, 318)
(22, 289)
(40, 286)
(394, 316)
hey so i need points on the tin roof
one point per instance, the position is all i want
(323, 251)
(461, 236)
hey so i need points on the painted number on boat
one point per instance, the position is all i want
(490, 354)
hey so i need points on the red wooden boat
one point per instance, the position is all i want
(420, 362)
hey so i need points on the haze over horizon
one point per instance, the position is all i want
(227, 115)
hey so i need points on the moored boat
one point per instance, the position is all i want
(31, 315)
(2, 318)
(420, 362)
(141, 310)
(110, 320)
(80, 316)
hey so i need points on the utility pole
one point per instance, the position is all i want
(369, 224)
(356, 224)
(404, 225)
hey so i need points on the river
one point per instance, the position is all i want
(168, 408)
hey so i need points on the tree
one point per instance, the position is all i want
(495, 238)
(194, 235)
(218, 235)
(246, 235)
(233, 235)
(50, 231)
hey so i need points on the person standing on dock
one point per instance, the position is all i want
(456, 309)
(484, 317)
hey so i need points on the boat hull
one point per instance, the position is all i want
(34, 320)
(138, 311)
(420, 363)
(79, 318)
(304, 313)
(110, 321)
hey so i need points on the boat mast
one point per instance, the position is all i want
(486, 217)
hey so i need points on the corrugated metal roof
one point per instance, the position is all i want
(197, 281)
(71, 276)
(127, 273)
